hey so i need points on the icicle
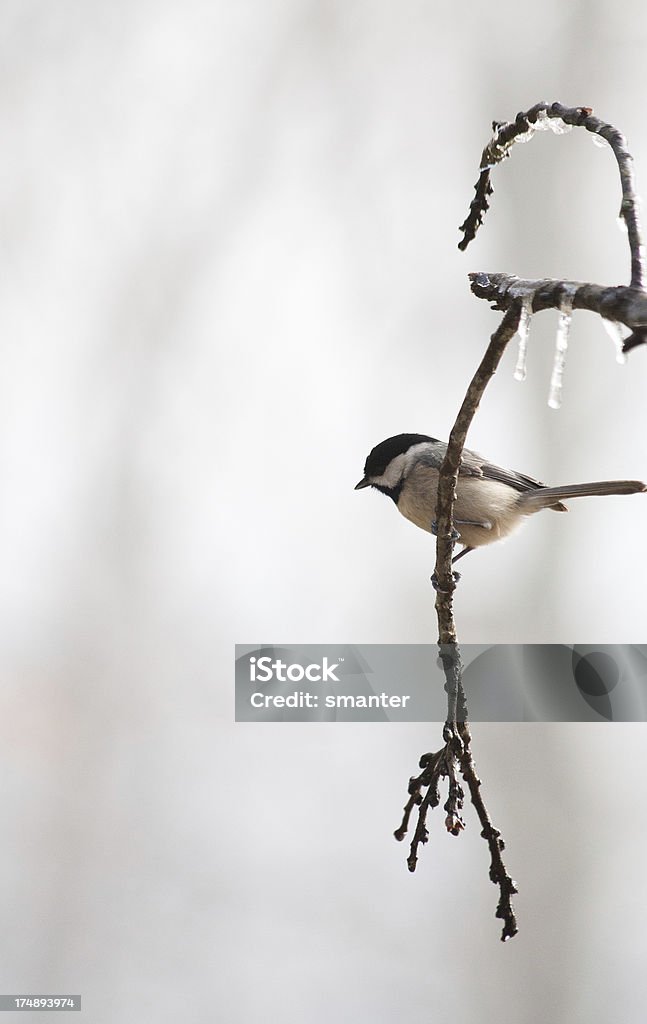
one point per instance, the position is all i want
(561, 346)
(615, 332)
(522, 334)
(622, 224)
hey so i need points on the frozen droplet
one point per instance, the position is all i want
(559, 127)
(522, 335)
(546, 123)
(617, 334)
(526, 136)
(541, 122)
(599, 140)
(622, 224)
(561, 347)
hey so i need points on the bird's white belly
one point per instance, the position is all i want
(478, 501)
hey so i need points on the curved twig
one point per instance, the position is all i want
(525, 124)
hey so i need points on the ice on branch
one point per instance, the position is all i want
(559, 127)
(561, 346)
(544, 123)
(617, 332)
(498, 148)
(600, 141)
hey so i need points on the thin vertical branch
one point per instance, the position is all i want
(457, 754)
(449, 471)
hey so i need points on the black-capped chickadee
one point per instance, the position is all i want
(490, 502)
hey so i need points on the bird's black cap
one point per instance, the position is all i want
(380, 456)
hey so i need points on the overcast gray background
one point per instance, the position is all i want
(229, 268)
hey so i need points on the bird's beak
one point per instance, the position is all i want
(363, 483)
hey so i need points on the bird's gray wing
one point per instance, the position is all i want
(473, 464)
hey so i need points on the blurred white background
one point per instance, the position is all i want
(230, 268)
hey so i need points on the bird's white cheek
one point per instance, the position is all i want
(392, 475)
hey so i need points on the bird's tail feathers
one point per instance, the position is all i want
(551, 497)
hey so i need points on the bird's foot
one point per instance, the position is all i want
(439, 590)
(434, 530)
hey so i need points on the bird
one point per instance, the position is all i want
(491, 502)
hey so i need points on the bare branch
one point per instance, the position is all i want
(455, 756)
(498, 872)
(449, 471)
(443, 764)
